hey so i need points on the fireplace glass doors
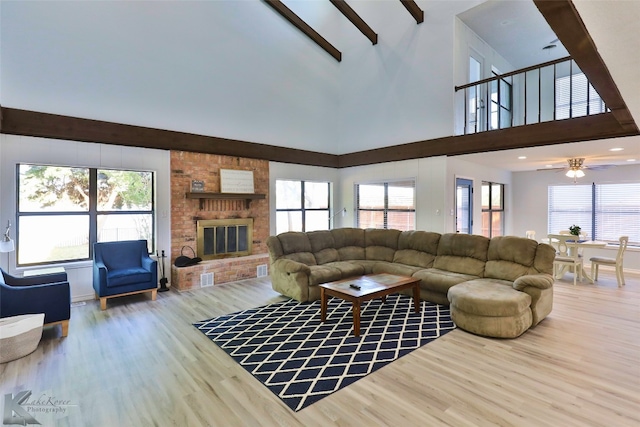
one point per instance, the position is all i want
(224, 238)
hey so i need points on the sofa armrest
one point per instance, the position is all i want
(289, 266)
(52, 299)
(540, 281)
(40, 279)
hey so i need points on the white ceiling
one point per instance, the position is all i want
(173, 61)
(516, 30)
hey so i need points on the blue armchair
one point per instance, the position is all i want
(123, 268)
(46, 293)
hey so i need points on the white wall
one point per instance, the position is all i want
(20, 149)
(530, 203)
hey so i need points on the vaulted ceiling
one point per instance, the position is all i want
(200, 67)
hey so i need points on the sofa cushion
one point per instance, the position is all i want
(347, 268)
(323, 246)
(486, 297)
(462, 253)
(380, 244)
(296, 247)
(417, 248)
(349, 243)
(394, 268)
(303, 257)
(366, 265)
(323, 274)
(440, 280)
(510, 257)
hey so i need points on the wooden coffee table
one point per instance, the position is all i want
(370, 287)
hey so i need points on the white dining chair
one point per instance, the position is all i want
(567, 258)
(614, 262)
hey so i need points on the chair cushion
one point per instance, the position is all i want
(603, 260)
(127, 276)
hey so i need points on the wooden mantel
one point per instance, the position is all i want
(247, 197)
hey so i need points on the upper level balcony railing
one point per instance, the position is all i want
(554, 90)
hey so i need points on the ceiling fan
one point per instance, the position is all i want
(576, 168)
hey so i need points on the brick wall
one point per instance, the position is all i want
(187, 166)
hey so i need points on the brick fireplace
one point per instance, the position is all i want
(187, 212)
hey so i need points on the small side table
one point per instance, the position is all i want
(19, 336)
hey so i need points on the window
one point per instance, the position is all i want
(492, 209)
(386, 205)
(302, 206)
(575, 97)
(604, 211)
(62, 211)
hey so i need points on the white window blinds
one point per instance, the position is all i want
(604, 211)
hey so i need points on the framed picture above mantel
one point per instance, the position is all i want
(236, 181)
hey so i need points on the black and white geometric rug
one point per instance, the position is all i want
(301, 360)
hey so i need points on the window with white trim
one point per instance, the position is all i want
(492, 209)
(302, 205)
(62, 211)
(604, 211)
(386, 204)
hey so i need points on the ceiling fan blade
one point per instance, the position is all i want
(599, 167)
(552, 169)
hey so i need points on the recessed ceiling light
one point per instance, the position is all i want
(548, 166)
(522, 157)
(631, 160)
(616, 149)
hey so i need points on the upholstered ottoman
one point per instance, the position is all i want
(490, 309)
(19, 335)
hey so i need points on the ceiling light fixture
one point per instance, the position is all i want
(522, 157)
(575, 168)
(575, 173)
(616, 149)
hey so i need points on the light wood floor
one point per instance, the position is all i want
(141, 363)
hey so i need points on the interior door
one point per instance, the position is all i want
(464, 206)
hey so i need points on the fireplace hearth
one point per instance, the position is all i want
(224, 238)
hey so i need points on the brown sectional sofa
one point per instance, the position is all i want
(496, 287)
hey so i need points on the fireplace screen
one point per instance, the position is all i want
(224, 238)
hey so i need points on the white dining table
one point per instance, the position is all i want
(574, 244)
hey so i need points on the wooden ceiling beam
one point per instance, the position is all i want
(297, 22)
(355, 19)
(45, 125)
(600, 126)
(414, 10)
(565, 21)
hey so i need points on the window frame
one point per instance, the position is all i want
(92, 212)
(303, 210)
(491, 210)
(385, 210)
(592, 197)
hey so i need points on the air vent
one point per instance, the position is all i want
(262, 270)
(206, 279)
